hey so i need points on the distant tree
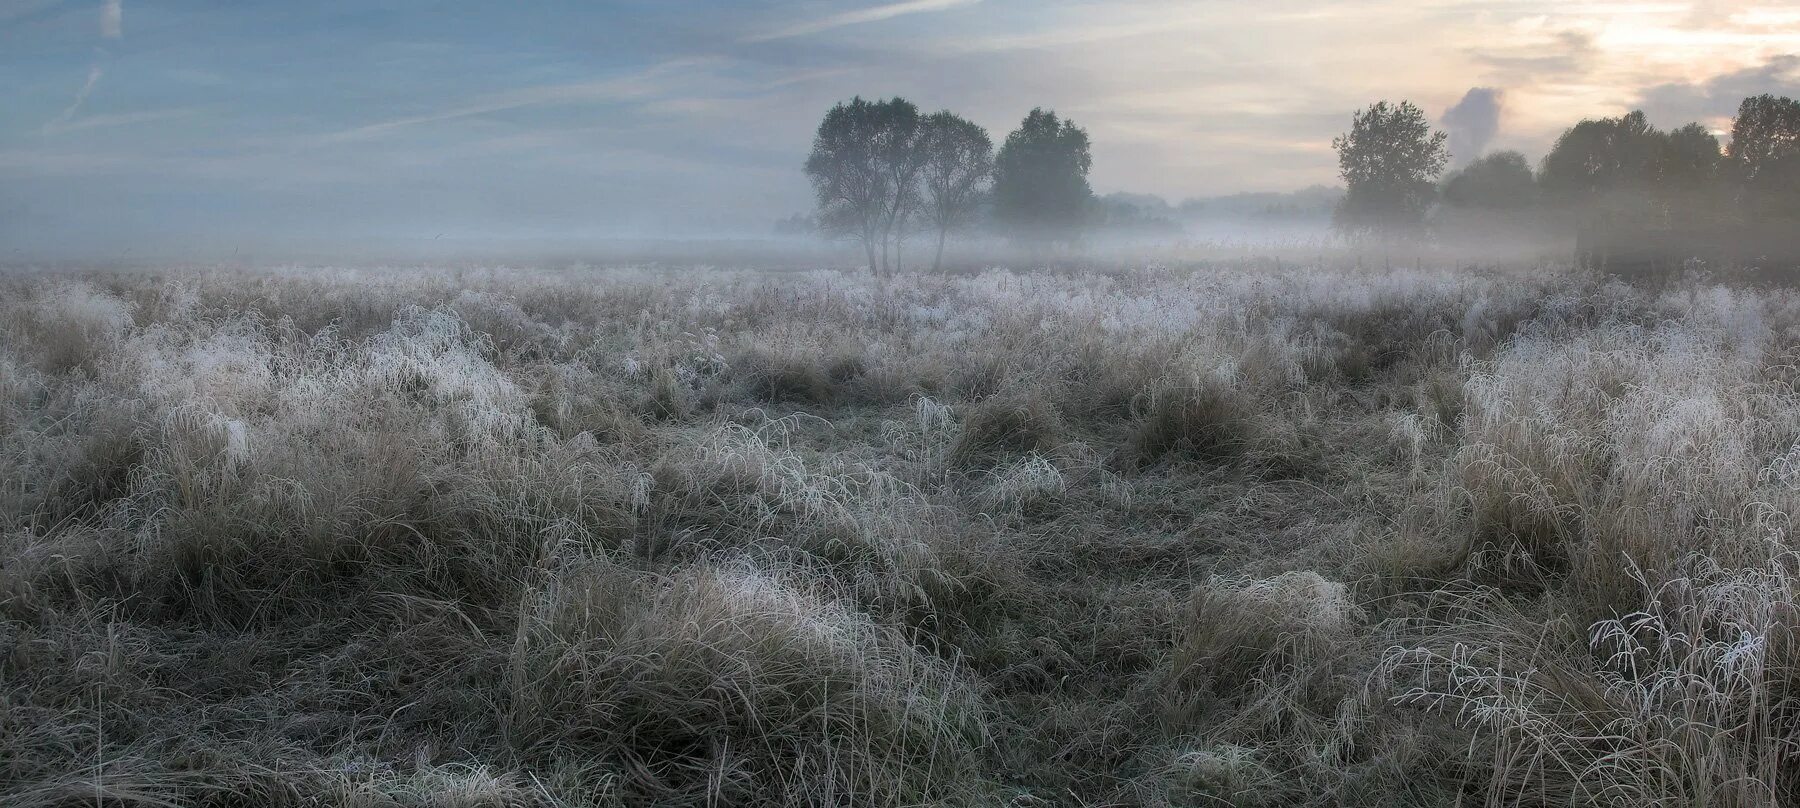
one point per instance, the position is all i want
(1693, 202)
(1134, 215)
(1498, 181)
(1764, 160)
(1691, 157)
(958, 164)
(899, 154)
(1601, 178)
(1766, 131)
(1390, 160)
(1597, 157)
(1041, 192)
(1490, 205)
(1637, 197)
(798, 224)
(864, 170)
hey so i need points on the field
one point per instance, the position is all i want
(1224, 534)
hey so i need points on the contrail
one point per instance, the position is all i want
(93, 78)
(112, 26)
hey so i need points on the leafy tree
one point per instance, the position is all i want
(1693, 205)
(1766, 130)
(1490, 205)
(864, 170)
(1765, 160)
(1601, 175)
(1041, 192)
(958, 162)
(1597, 157)
(1390, 160)
(1498, 181)
(1637, 196)
(1691, 157)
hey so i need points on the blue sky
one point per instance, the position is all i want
(208, 125)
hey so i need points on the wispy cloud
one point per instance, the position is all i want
(636, 85)
(1564, 53)
(857, 17)
(118, 119)
(1063, 36)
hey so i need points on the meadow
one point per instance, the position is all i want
(1229, 533)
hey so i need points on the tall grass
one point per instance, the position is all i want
(1231, 534)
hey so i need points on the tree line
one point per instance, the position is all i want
(1631, 195)
(882, 172)
(1627, 192)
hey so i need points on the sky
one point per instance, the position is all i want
(205, 127)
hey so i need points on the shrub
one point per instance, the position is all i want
(71, 325)
(731, 683)
(1007, 425)
(1241, 633)
(1199, 419)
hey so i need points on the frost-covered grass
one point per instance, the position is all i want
(1217, 535)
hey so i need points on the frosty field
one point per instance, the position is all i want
(1219, 534)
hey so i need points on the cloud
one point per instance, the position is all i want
(1473, 122)
(636, 85)
(1061, 37)
(1565, 53)
(117, 119)
(1716, 100)
(112, 19)
(858, 17)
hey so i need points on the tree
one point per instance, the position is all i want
(1390, 160)
(798, 224)
(1765, 162)
(1041, 192)
(1599, 157)
(1489, 204)
(1691, 158)
(1499, 181)
(958, 162)
(1134, 215)
(1766, 130)
(1601, 176)
(1693, 205)
(897, 152)
(1638, 197)
(864, 171)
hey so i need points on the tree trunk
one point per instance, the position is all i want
(937, 264)
(869, 245)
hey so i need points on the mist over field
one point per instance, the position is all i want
(908, 403)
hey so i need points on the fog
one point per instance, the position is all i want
(871, 403)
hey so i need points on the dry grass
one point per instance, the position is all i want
(1214, 535)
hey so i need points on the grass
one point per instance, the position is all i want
(1224, 534)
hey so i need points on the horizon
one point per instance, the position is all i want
(200, 130)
